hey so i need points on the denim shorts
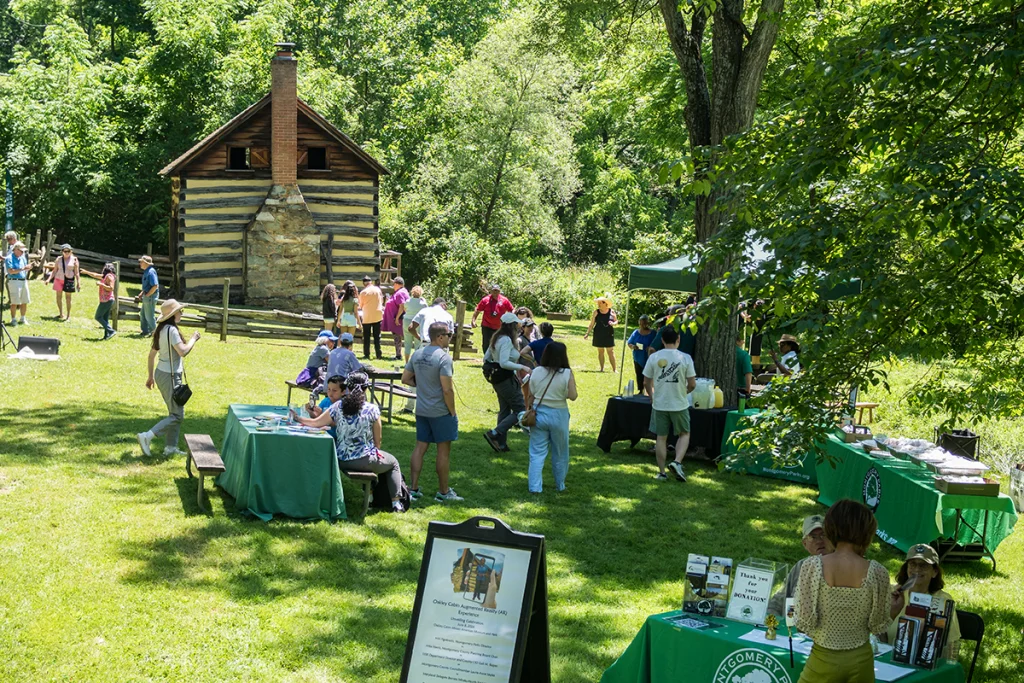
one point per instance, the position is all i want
(437, 429)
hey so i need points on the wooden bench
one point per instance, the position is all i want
(203, 453)
(391, 389)
(292, 385)
(367, 480)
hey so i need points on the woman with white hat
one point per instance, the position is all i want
(166, 353)
(501, 363)
(602, 324)
(67, 279)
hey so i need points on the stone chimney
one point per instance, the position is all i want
(284, 114)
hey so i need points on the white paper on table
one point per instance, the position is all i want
(883, 649)
(801, 644)
(890, 672)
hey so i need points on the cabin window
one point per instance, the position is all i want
(316, 159)
(238, 159)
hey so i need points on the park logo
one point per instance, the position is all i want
(751, 665)
(872, 489)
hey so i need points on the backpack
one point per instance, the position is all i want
(382, 496)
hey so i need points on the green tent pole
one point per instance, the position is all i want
(625, 336)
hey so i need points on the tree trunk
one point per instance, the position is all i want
(713, 112)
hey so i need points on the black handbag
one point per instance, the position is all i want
(495, 374)
(69, 280)
(181, 392)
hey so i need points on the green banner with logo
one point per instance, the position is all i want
(9, 202)
(664, 652)
(763, 465)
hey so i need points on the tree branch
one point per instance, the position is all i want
(686, 45)
(755, 60)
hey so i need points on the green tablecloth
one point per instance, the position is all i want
(279, 473)
(763, 465)
(908, 507)
(665, 653)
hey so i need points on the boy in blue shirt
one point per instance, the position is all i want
(640, 341)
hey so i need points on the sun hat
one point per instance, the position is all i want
(169, 308)
(791, 339)
(146, 259)
(346, 337)
(811, 523)
(923, 551)
(19, 245)
(607, 298)
(328, 334)
(508, 318)
(65, 247)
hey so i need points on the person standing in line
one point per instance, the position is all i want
(668, 379)
(406, 312)
(744, 369)
(371, 302)
(348, 309)
(66, 278)
(538, 346)
(640, 343)
(550, 387)
(602, 325)
(147, 297)
(393, 318)
(105, 283)
(504, 354)
(329, 306)
(492, 306)
(842, 598)
(437, 312)
(16, 265)
(430, 370)
(166, 354)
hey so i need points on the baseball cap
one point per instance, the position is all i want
(65, 247)
(328, 334)
(509, 318)
(495, 286)
(346, 337)
(813, 522)
(366, 278)
(923, 551)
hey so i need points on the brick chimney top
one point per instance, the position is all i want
(284, 50)
(284, 115)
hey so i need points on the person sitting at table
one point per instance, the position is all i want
(342, 361)
(815, 543)
(640, 343)
(842, 598)
(358, 435)
(923, 565)
(317, 361)
(335, 389)
(789, 364)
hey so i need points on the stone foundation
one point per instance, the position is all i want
(283, 254)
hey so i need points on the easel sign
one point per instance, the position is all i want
(481, 610)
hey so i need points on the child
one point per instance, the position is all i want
(317, 361)
(640, 342)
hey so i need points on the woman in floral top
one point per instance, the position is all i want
(358, 432)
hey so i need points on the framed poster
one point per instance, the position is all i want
(480, 614)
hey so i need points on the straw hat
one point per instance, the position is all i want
(168, 309)
(146, 259)
(791, 339)
(606, 299)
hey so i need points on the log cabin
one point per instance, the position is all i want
(278, 200)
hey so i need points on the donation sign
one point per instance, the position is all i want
(476, 596)
(751, 590)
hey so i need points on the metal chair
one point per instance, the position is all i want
(972, 627)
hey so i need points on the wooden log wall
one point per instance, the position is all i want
(212, 217)
(345, 212)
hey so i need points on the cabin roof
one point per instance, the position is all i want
(175, 167)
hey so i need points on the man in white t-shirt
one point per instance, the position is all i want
(669, 377)
(437, 312)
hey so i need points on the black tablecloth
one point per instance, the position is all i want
(628, 419)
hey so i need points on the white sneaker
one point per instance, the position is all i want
(24, 322)
(451, 496)
(145, 439)
(168, 452)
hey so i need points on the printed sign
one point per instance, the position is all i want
(751, 665)
(751, 590)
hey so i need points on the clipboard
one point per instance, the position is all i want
(505, 635)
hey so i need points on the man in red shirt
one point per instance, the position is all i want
(493, 307)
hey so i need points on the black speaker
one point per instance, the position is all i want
(40, 345)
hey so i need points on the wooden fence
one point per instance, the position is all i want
(226, 321)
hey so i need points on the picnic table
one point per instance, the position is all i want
(281, 472)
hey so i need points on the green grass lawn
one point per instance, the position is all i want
(109, 571)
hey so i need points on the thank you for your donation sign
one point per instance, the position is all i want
(468, 624)
(751, 590)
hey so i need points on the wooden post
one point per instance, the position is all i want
(115, 311)
(460, 321)
(38, 241)
(46, 252)
(149, 249)
(224, 310)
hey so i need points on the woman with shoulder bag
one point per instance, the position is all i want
(501, 362)
(168, 376)
(548, 391)
(66, 278)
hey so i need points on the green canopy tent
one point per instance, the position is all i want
(680, 275)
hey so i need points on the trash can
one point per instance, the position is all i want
(961, 442)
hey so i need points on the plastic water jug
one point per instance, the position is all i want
(719, 397)
(629, 389)
(704, 394)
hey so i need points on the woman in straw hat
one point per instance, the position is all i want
(789, 364)
(602, 325)
(166, 353)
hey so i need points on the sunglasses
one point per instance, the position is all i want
(66, 251)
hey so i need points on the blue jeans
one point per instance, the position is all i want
(103, 317)
(147, 314)
(551, 433)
